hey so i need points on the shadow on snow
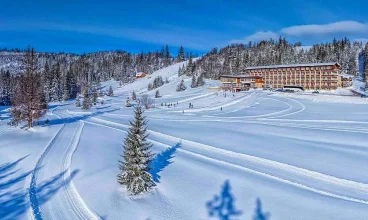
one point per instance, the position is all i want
(222, 206)
(162, 160)
(14, 198)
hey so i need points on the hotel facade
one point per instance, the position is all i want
(310, 76)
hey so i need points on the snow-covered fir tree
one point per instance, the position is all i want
(167, 56)
(181, 54)
(94, 96)
(110, 92)
(137, 156)
(157, 94)
(29, 102)
(200, 80)
(189, 68)
(181, 86)
(6, 88)
(87, 103)
(193, 84)
(66, 94)
(77, 102)
(150, 86)
(157, 82)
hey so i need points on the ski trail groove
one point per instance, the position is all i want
(66, 203)
(267, 168)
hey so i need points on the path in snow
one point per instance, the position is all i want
(56, 161)
(299, 177)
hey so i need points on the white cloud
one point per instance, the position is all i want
(258, 36)
(345, 27)
(342, 27)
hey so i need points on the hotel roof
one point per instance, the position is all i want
(292, 65)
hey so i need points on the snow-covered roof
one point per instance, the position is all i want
(346, 75)
(292, 65)
(139, 74)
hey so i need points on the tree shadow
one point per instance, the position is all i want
(258, 213)
(14, 198)
(161, 161)
(222, 206)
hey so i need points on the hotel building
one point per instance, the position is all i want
(310, 76)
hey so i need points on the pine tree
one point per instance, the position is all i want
(200, 80)
(77, 102)
(189, 69)
(179, 72)
(55, 92)
(134, 96)
(194, 82)
(47, 82)
(110, 92)
(29, 102)
(167, 56)
(150, 86)
(66, 94)
(181, 86)
(94, 96)
(137, 157)
(86, 100)
(181, 54)
(157, 94)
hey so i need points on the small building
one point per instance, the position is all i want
(240, 82)
(346, 80)
(140, 75)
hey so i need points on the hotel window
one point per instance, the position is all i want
(328, 67)
(307, 68)
(303, 68)
(312, 68)
(317, 68)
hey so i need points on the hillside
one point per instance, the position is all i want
(243, 147)
(235, 58)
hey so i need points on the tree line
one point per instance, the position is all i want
(63, 76)
(235, 58)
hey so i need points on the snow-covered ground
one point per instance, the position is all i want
(304, 156)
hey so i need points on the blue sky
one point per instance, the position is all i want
(86, 26)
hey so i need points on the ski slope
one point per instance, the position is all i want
(303, 156)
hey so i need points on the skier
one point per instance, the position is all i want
(221, 108)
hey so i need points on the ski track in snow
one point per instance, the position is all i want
(308, 180)
(66, 203)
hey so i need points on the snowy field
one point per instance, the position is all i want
(304, 156)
